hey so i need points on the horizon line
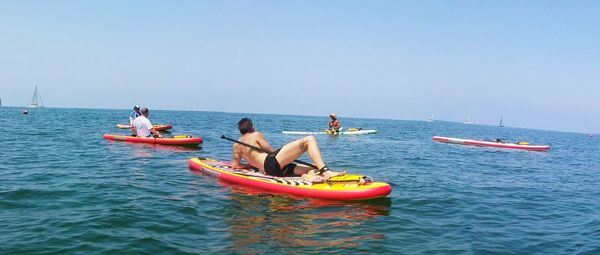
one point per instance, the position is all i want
(303, 115)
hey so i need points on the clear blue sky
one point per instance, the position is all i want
(537, 63)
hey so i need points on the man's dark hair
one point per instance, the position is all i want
(245, 125)
(144, 111)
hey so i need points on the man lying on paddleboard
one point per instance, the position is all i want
(271, 163)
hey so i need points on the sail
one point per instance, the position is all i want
(468, 121)
(41, 102)
(430, 119)
(36, 100)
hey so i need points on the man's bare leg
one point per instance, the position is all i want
(309, 174)
(300, 170)
(295, 149)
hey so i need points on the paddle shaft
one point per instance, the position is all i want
(276, 178)
(260, 149)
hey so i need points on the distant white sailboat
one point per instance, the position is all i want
(36, 101)
(501, 124)
(468, 121)
(431, 119)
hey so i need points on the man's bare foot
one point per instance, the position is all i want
(313, 178)
(328, 174)
(362, 181)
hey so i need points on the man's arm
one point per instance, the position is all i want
(236, 161)
(156, 133)
(133, 127)
(262, 142)
(152, 130)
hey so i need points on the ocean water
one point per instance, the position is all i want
(65, 190)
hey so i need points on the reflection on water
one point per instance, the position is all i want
(292, 222)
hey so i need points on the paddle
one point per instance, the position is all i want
(365, 178)
(260, 149)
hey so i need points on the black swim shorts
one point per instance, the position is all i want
(273, 168)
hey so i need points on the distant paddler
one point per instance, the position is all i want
(134, 114)
(335, 126)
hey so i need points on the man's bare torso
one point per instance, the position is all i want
(254, 157)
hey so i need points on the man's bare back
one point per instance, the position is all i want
(255, 158)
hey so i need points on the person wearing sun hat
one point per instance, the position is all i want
(334, 125)
(136, 113)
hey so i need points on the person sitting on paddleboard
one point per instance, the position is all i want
(136, 113)
(279, 162)
(142, 125)
(334, 125)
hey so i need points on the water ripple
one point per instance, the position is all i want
(64, 189)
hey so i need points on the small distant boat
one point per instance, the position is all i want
(501, 124)
(497, 144)
(24, 112)
(36, 101)
(431, 119)
(468, 121)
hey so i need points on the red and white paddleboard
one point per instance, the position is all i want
(491, 144)
(177, 140)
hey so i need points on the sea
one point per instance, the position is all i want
(66, 190)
